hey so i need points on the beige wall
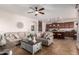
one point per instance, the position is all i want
(8, 22)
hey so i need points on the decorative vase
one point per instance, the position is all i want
(34, 40)
(30, 39)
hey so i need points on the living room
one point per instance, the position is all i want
(44, 29)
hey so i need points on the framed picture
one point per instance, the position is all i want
(32, 28)
(39, 25)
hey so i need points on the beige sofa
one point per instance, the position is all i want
(15, 37)
(46, 38)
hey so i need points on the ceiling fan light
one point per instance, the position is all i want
(36, 12)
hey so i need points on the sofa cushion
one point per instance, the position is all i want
(22, 35)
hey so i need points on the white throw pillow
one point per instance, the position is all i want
(3, 41)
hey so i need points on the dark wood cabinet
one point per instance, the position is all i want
(62, 35)
(60, 25)
(58, 35)
(71, 34)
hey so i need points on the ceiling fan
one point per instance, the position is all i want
(37, 10)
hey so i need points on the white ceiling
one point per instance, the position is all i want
(52, 11)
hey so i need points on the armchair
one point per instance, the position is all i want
(47, 39)
(2, 40)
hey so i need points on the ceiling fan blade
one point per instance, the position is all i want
(41, 13)
(32, 8)
(36, 8)
(30, 12)
(35, 14)
(41, 9)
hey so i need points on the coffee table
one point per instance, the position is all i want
(31, 47)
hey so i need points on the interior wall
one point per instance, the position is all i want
(43, 26)
(8, 22)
